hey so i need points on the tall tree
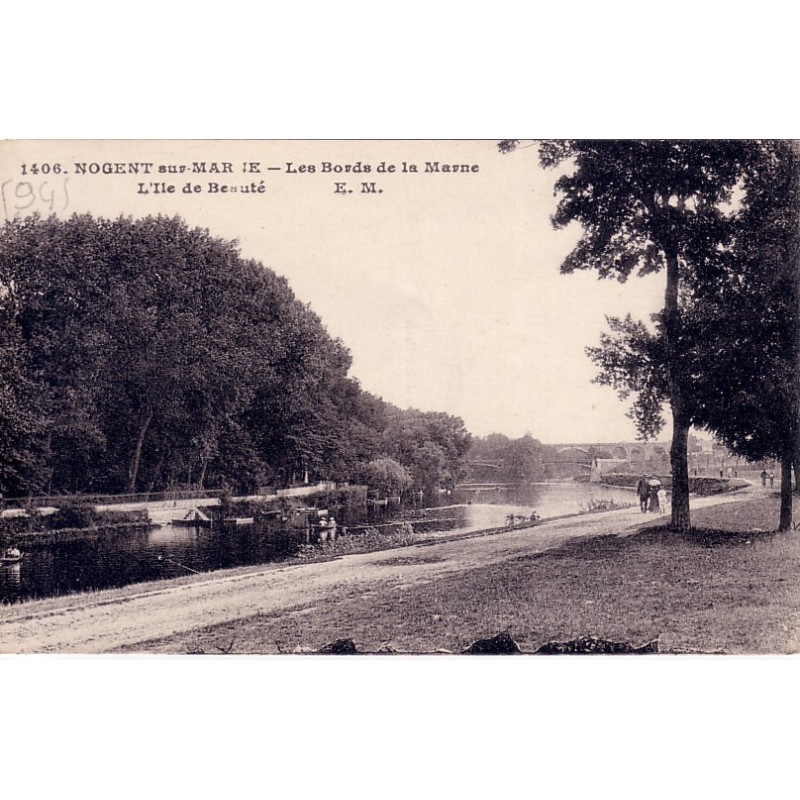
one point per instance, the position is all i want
(743, 313)
(145, 343)
(20, 463)
(740, 321)
(646, 206)
(146, 354)
(385, 476)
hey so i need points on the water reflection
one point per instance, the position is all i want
(11, 573)
(107, 558)
(552, 499)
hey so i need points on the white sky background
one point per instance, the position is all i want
(446, 288)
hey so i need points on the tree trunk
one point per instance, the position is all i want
(681, 423)
(133, 471)
(793, 265)
(201, 480)
(156, 473)
(786, 493)
(678, 459)
(49, 460)
(795, 462)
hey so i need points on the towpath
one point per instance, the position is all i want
(104, 621)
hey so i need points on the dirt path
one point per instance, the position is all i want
(105, 621)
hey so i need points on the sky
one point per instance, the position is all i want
(444, 286)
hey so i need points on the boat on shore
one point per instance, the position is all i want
(11, 555)
(194, 518)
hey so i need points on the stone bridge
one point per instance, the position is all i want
(633, 452)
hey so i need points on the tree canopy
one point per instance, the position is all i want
(721, 218)
(144, 355)
(646, 206)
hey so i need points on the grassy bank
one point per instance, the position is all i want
(731, 587)
(73, 518)
(700, 486)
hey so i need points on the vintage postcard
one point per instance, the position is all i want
(399, 397)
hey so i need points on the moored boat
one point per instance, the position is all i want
(194, 518)
(11, 555)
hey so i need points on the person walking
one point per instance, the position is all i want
(643, 490)
(763, 477)
(654, 506)
(771, 478)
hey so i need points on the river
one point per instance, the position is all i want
(105, 559)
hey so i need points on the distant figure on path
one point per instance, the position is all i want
(654, 500)
(771, 478)
(730, 472)
(643, 490)
(763, 477)
(654, 485)
(662, 500)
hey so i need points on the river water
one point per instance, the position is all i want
(105, 559)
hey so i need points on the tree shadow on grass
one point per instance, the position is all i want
(716, 538)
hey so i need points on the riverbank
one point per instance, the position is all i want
(304, 606)
(729, 587)
(700, 486)
(106, 558)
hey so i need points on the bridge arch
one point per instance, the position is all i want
(619, 451)
(637, 453)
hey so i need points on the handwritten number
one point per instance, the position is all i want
(24, 191)
(3, 193)
(50, 199)
(53, 195)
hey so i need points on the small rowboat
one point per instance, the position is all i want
(194, 518)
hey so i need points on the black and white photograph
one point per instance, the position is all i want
(399, 397)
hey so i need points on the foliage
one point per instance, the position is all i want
(385, 476)
(737, 346)
(646, 206)
(632, 360)
(18, 419)
(519, 460)
(145, 355)
(366, 541)
(73, 513)
(606, 504)
(747, 317)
